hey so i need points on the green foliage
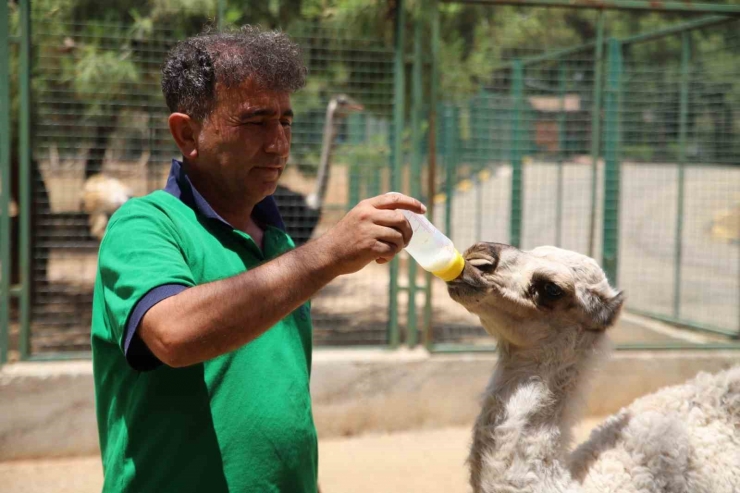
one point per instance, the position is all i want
(187, 8)
(112, 50)
(104, 73)
(372, 154)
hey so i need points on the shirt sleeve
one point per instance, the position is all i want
(141, 263)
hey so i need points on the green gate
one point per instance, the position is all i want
(86, 100)
(600, 148)
(623, 146)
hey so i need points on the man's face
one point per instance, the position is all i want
(243, 145)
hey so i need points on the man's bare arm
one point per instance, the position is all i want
(212, 319)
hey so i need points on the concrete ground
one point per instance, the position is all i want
(432, 461)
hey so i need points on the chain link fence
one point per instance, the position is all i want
(100, 122)
(680, 242)
(623, 147)
(600, 149)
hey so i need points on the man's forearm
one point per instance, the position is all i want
(212, 319)
(207, 321)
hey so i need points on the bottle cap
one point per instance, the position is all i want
(452, 271)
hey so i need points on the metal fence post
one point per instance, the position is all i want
(562, 88)
(683, 126)
(375, 173)
(432, 159)
(478, 198)
(399, 88)
(610, 251)
(5, 132)
(596, 128)
(629, 5)
(479, 130)
(355, 170)
(517, 150)
(221, 13)
(450, 137)
(24, 206)
(417, 96)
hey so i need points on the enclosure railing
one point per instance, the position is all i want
(5, 124)
(96, 107)
(565, 167)
(586, 147)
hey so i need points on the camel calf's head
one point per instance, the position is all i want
(526, 298)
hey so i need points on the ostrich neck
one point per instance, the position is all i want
(322, 181)
(530, 405)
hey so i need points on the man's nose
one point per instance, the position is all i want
(278, 142)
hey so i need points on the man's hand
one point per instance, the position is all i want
(375, 230)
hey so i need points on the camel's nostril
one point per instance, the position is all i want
(484, 265)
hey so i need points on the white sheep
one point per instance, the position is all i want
(549, 310)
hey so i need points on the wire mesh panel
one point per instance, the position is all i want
(515, 153)
(629, 156)
(100, 136)
(619, 153)
(350, 86)
(679, 248)
(562, 184)
(101, 126)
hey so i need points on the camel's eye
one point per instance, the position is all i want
(484, 265)
(552, 290)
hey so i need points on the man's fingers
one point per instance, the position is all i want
(397, 201)
(390, 238)
(386, 250)
(397, 221)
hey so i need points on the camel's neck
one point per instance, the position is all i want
(531, 403)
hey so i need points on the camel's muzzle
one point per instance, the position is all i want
(480, 259)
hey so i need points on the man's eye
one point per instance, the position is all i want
(259, 123)
(286, 123)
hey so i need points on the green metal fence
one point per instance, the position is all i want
(678, 253)
(97, 109)
(4, 183)
(599, 149)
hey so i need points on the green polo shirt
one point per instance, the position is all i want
(241, 422)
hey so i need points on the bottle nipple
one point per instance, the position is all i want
(453, 270)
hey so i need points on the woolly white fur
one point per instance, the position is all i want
(681, 439)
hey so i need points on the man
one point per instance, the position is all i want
(201, 331)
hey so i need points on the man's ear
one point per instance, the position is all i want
(185, 132)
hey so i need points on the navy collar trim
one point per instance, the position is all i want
(179, 185)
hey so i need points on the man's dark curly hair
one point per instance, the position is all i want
(194, 66)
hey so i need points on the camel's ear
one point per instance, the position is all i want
(604, 312)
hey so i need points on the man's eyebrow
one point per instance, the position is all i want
(248, 114)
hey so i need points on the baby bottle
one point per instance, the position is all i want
(432, 249)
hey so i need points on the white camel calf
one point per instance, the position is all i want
(549, 310)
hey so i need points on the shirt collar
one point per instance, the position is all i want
(179, 185)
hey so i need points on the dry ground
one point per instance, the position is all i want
(430, 461)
